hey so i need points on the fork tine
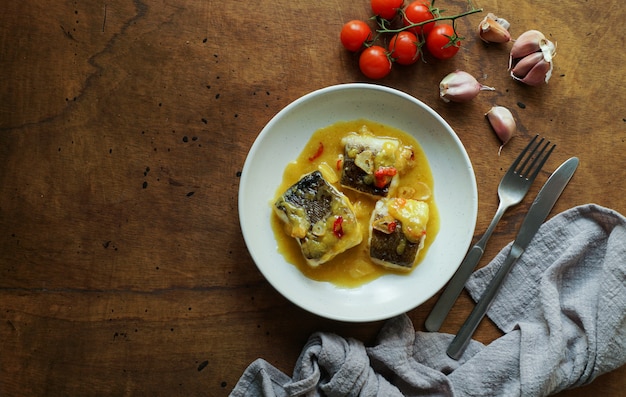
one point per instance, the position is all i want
(543, 160)
(530, 156)
(522, 154)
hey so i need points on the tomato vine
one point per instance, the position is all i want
(432, 29)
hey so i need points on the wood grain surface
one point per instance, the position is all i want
(124, 126)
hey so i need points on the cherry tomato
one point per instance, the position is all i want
(417, 12)
(403, 48)
(374, 62)
(354, 34)
(442, 42)
(386, 9)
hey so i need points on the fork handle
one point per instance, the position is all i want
(453, 290)
(455, 286)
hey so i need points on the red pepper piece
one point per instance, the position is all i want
(383, 176)
(338, 227)
(320, 150)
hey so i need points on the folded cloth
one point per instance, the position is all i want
(562, 310)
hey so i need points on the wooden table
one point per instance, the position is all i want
(124, 126)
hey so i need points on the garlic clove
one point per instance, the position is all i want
(524, 65)
(540, 73)
(531, 56)
(460, 86)
(503, 124)
(527, 43)
(491, 30)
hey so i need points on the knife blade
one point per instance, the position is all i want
(539, 210)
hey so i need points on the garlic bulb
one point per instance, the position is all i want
(531, 56)
(460, 86)
(503, 124)
(494, 30)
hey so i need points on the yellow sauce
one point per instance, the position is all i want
(353, 267)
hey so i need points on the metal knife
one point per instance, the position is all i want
(539, 210)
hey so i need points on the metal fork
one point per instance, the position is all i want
(512, 189)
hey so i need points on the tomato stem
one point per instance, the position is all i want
(385, 29)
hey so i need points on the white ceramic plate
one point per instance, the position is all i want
(282, 140)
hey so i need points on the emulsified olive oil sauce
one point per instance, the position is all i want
(353, 267)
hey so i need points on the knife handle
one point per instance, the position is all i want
(462, 338)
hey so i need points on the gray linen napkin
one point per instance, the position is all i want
(562, 309)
